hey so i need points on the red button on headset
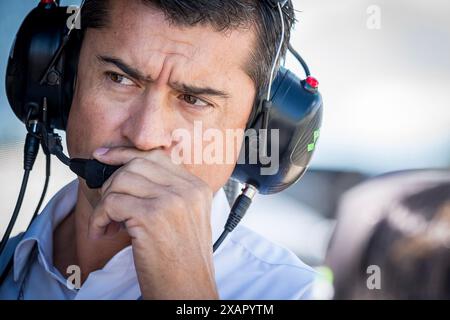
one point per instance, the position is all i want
(313, 83)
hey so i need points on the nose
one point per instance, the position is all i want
(149, 122)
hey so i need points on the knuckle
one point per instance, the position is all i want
(110, 200)
(122, 175)
(136, 164)
(108, 188)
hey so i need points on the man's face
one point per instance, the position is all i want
(138, 79)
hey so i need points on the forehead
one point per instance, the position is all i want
(142, 36)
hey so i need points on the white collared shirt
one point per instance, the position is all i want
(247, 266)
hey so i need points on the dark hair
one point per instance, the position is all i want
(222, 15)
(411, 245)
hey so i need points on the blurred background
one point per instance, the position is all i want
(384, 73)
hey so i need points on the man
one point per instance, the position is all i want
(146, 69)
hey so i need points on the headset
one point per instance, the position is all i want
(40, 82)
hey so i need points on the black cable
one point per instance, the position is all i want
(31, 150)
(220, 240)
(300, 59)
(240, 207)
(36, 212)
(44, 190)
(15, 214)
(11, 224)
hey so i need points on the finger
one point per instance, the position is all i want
(155, 172)
(134, 184)
(123, 155)
(148, 170)
(115, 207)
(113, 228)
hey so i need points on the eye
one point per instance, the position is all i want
(193, 100)
(119, 79)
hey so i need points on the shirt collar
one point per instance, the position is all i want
(62, 203)
(41, 230)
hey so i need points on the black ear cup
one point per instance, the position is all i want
(293, 129)
(37, 41)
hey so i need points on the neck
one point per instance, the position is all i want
(72, 245)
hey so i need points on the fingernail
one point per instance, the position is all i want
(101, 151)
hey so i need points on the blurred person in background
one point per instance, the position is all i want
(392, 239)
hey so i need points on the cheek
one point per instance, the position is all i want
(83, 137)
(215, 175)
(217, 172)
(87, 127)
(79, 144)
(79, 129)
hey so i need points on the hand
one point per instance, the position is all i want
(166, 212)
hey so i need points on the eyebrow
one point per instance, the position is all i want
(182, 87)
(132, 72)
